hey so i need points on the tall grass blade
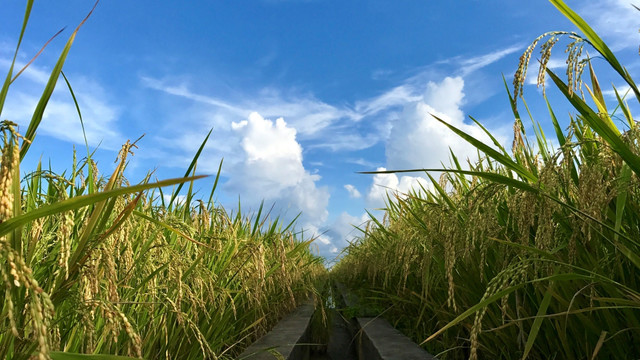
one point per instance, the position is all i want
(36, 55)
(621, 199)
(472, 310)
(190, 168)
(48, 90)
(5, 85)
(604, 129)
(501, 158)
(84, 200)
(215, 185)
(535, 328)
(493, 177)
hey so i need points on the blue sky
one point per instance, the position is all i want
(301, 94)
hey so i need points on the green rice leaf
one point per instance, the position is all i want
(562, 140)
(603, 336)
(8, 79)
(84, 200)
(597, 91)
(630, 254)
(190, 168)
(472, 310)
(625, 109)
(495, 141)
(531, 249)
(170, 228)
(497, 178)
(556, 126)
(501, 158)
(443, 194)
(215, 184)
(75, 102)
(498, 295)
(621, 199)
(596, 42)
(535, 328)
(610, 134)
(48, 90)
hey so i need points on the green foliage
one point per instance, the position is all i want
(95, 268)
(532, 254)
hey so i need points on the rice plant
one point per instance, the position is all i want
(93, 265)
(532, 253)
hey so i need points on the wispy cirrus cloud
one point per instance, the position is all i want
(304, 112)
(60, 119)
(182, 90)
(320, 124)
(470, 65)
(615, 20)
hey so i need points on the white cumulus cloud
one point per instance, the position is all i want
(384, 185)
(271, 169)
(418, 141)
(353, 192)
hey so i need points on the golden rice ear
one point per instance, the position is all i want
(523, 65)
(575, 62)
(9, 161)
(545, 55)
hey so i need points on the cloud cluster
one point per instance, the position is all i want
(353, 192)
(390, 185)
(419, 141)
(272, 170)
(264, 157)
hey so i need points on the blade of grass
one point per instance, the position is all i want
(604, 129)
(190, 168)
(537, 323)
(171, 228)
(48, 90)
(36, 55)
(493, 139)
(84, 200)
(603, 336)
(7, 81)
(625, 109)
(215, 185)
(621, 199)
(501, 158)
(498, 295)
(505, 180)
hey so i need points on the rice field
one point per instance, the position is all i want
(530, 252)
(527, 253)
(92, 264)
